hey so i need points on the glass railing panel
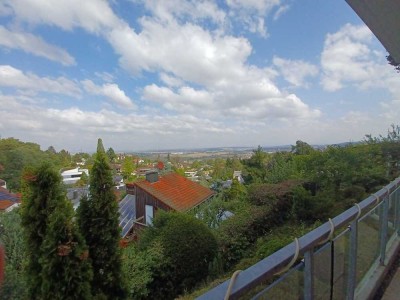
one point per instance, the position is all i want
(368, 242)
(289, 287)
(341, 265)
(322, 272)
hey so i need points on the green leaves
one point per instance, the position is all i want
(47, 218)
(189, 248)
(99, 223)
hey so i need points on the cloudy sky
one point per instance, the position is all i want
(183, 74)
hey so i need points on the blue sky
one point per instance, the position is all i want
(188, 74)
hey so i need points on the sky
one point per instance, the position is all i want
(170, 74)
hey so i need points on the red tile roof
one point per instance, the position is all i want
(4, 204)
(176, 191)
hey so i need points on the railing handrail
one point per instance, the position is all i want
(266, 268)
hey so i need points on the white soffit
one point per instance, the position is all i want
(383, 19)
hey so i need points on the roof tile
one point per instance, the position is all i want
(176, 191)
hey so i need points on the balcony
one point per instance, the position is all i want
(345, 258)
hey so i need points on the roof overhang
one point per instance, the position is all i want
(383, 19)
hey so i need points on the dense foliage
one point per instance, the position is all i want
(16, 155)
(98, 221)
(66, 271)
(187, 248)
(55, 266)
(284, 195)
(11, 236)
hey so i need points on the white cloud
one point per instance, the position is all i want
(111, 91)
(15, 78)
(252, 13)
(34, 45)
(205, 70)
(348, 59)
(183, 10)
(65, 127)
(263, 102)
(185, 99)
(295, 71)
(187, 51)
(280, 11)
(92, 15)
(216, 64)
(105, 76)
(170, 81)
(260, 6)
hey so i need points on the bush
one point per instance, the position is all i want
(236, 234)
(308, 208)
(140, 269)
(188, 246)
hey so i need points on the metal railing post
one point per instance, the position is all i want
(309, 275)
(383, 220)
(352, 267)
(397, 211)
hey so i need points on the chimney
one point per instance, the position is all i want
(152, 176)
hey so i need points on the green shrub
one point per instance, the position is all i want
(188, 246)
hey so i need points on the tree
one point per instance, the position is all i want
(83, 181)
(99, 224)
(11, 237)
(302, 148)
(51, 150)
(47, 218)
(255, 167)
(42, 191)
(111, 154)
(393, 62)
(66, 272)
(127, 168)
(141, 268)
(237, 191)
(189, 248)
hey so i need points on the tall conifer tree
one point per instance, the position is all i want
(99, 223)
(47, 218)
(66, 272)
(41, 191)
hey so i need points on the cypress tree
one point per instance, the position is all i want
(47, 217)
(66, 272)
(42, 191)
(99, 224)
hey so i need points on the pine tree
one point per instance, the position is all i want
(47, 217)
(99, 224)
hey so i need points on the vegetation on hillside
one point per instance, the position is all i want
(284, 195)
(56, 267)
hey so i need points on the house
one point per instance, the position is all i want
(73, 176)
(238, 175)
(8, 201)
(76, 194)
(116, 168)
(167, 192)
(142, 171)
(3, 183)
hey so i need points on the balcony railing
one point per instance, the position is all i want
(345, 258)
